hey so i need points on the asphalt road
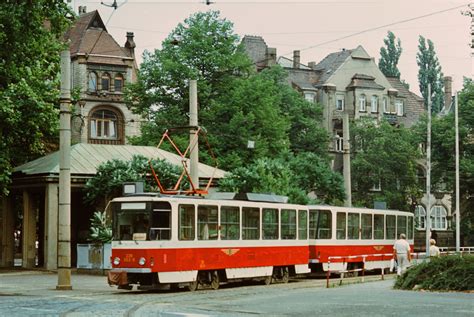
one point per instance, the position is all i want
(34, 294)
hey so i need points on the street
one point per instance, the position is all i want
(33, 294)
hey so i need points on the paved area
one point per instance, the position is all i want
(27, 293)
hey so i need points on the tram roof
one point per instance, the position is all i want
(85, 158)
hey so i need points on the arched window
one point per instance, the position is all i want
(105, 82)
(420, 217)
(118, 82)
(92, 84)
(374, 104)
(362, 103)
(438, 217)
(103, 125)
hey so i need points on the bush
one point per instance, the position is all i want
(450, 273)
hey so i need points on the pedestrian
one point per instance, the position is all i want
(434, 250)
(401, 252)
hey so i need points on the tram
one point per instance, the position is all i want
(171, 241)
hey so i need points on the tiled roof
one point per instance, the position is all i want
(414, 105)
(364, 81)
(85, 158)
(330, 64)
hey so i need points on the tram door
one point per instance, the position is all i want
(160, 221)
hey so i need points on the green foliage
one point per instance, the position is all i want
(110, 176)
(430, 73)
(30, 33)
(449, 273)
(389, 56)
(101, 228)
(387, 155)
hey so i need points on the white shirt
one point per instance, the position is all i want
(401, 246)
(434, 251)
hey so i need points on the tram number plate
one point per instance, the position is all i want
(128, 258)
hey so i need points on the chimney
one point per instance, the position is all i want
(448, 91)
(82, 10)
(296, 59)
(130, 44)
(271, 56)
(312, 65)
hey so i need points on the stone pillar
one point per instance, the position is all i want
(29, 231)
(347, 160)
(296, 59)
(328, 106)
(51, 227)
(6, 233)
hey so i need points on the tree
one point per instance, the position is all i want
(30, 33)
(430, 73)
(384, 165)
(389, 56)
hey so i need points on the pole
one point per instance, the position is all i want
(347, 160)
(458, 213)
(428, 176)
(64, 217)
(193, 122)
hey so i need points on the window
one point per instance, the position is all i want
(313, 223)
(288, 224)
(399, 106)
(207, 222)
(340, 102)
(401, 225)
(420, 217)
(374, 104)
(92, 83)
(410, 228)
(105, 82)
(353, 224)
(160, 221)
(118, 82)
(438, 217)
(230, 223)
(390, 227)
(302, 224)
(338, 143)
(103, 124)
(341, 225)
(186, 222)
(250, 223)
(320, 224)
(385, 105)
(270, 223)
(377, 186)
(378, 227)
(309, 96)
(362, 103)
(366, 226)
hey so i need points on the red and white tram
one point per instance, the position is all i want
(170, 240)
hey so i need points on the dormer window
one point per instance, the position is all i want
(105, 82)
(385, 105)
(362, 103)
(118, 83)
(92, 83)
(399, 107)
(309, 96)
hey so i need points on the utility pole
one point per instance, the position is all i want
(64, 216)
(193, 136)
(428, 176)
(458, 211)
(347, 160)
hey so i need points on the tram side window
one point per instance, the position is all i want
(302, 224)
(341, 225)
(401, 225)
(207, 222)
(186, 222)
(410, 228)
(313, 223)
(270, 223)
(160, 221)
(378, 227)
(366, 226)
(288, 224)
(390, 227)
(353, 222)
(230, 223)
(324, 224)
(250, 223)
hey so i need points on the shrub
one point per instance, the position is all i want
(440, 274)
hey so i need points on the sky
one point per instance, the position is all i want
(315, 27)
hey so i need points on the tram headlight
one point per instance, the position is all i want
(116, 261)
(142, 261)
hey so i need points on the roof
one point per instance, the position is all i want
(331, 63)
(85, 158)
(364, 81)
(414, 104)
(288, 63)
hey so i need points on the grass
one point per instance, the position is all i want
(448, 273)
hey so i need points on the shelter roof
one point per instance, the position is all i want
(85, 158)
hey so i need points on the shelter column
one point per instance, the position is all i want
(29, 231)
(6, 233)
(51, 227)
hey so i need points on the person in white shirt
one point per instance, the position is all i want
(401, 252)
(434, 250)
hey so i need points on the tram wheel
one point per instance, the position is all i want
(193, 286)
(215, 282)
(285, 275)
(268, 280)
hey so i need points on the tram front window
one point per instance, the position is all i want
(132, 225)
